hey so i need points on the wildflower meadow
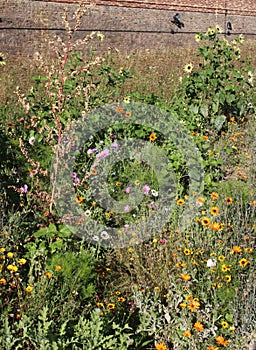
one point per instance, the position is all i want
(128, 205)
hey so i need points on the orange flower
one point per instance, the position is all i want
(198, 326)
(161, 346)
(194, 305)
(215, 226)
(185, 277)
(187, 334)
(57, 267)
(221, 341)
(212, 348)
(119, 109)
(48, 274)
(2, 281)
(214, 195)
(237, 249)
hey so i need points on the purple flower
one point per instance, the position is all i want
(115, 145)
(24, 189)
(128, 190)
(162, 241)
(93, 150)
(146, 189)
(112, 136)
(103, 154)
(75, 178)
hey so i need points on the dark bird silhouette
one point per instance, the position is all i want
(176, 21)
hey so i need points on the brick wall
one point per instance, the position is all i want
(127, 25)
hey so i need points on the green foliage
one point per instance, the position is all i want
(219, 88)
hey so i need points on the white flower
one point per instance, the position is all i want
(95, 238)
(87, 213)
(211, 263)
(31, 140)
(154, 193)
(104, 235)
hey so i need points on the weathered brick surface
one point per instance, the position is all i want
(127, 25)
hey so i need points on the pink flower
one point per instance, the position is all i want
(24, 189)
(146, 189)
(127, 208)
(128, 190)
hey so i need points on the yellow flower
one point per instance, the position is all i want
(57, 268)
(161, 346)
(111, 306)
(198, 37)
(183, 305)
(212, 348)
(248, 250)
(2, 59)
(79, 199)
(180, 202)
(229, 200)
(218, 28)
(29, 289)
(12, 268)
(2, 250)
(224, 324)
(187, 251)
(188, 68)
(200, 200)
(10, 255)
(221, 258)
(22, 261)
(198, 326)
(228, 278)
(205, 221)
(187, 334)
(152, 137)
(211, 32)
(214, 211)
(118, 184)
(137, 182)
(100, 305)
(121, 299)
(2, 281)
(225, 268)
(127, 99)
(243, 262)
